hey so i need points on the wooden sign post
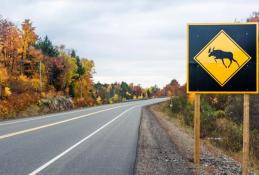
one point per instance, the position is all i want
(246, 135)
(197, 131)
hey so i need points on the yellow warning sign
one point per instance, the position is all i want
(222, 58)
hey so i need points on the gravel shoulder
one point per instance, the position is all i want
(213, 161)
(156, 153)
(166, 148)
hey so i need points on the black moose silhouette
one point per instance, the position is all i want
(220, 54)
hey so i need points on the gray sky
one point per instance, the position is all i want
(140, 41)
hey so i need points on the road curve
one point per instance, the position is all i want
(92, 141)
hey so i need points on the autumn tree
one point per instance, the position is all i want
(29, 38)
(3, 79)
(154, 91)
(100, 91)
(80, 68)
(84, 84)
(137, 90)
(10, 42)
(57, 68)
(254, 17)
(172, 88)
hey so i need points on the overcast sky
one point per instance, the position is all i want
(140, 41)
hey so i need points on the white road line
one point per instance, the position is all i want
(77, 144)
(48, 116)
(53, 124)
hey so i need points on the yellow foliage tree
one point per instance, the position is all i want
(10, 42)
(84, 84)
(7, 92)
(28, 84)
(99, 100)
(190, 97)
(72, 71)
(35, 82)
(29, 38)
(110, 101)
(140, 97)
(3, 74)
(115, 98)
(3, 78)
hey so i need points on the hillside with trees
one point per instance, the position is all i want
(37, 77)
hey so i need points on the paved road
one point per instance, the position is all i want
(98, 140)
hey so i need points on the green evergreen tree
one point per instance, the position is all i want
(80, 68)
(46, 47)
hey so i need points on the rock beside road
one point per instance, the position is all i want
(47, 105)
(55, 104)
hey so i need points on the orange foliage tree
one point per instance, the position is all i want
(29, 38)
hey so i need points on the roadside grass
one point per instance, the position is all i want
(173, 117)
(219, 126)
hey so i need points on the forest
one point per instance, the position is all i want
(37, 77)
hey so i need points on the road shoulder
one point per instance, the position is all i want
(213, 161)
(156, 153)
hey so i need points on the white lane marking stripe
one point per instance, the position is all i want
(77, 144)
(53, 124)
(51, 115)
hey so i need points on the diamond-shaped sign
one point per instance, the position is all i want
(222, 58)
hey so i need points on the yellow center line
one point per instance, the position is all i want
(53, 124)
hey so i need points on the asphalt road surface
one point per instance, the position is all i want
(93, 141)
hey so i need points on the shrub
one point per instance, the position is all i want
(13, 105)
(231, 135)
(4, 109)
(218, 101)
(181, 105)
(234, 108)
(7, 92)
(115, 98)
(99, 100)
(178, 104)
(254, 139)
(209, 114)
(208, 119)
(188, 114)
(3, 74)
(84, 102)
(24, 84)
